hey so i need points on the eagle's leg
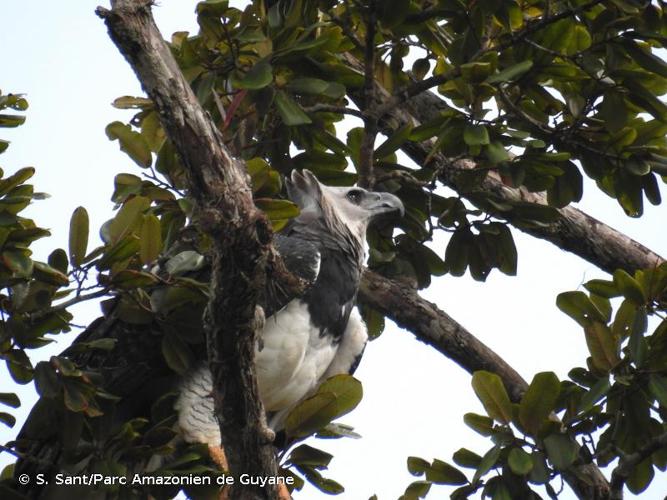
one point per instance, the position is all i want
(217, 454)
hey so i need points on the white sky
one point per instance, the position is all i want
(58, 53)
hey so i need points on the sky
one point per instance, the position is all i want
(59, 55)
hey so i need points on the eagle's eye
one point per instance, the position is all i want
(355, 195)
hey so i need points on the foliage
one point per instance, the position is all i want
(537, 94)
(613, 409)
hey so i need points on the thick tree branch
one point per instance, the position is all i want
(575, 231)
(434, 327)
(367, 147)
(241, 236)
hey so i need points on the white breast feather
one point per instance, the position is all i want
(293, 358)
(293, 361)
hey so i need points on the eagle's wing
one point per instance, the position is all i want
(302, 258)
(350, 349)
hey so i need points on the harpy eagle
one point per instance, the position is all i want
(309, 338)
(304, 341)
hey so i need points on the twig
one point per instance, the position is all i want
(64, 305)
(628, 462)
(367, 147)
(328, 108)
(404, 94)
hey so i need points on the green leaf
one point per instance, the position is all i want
(603, 288)
(629, 287)
(393, 142)
(46, 380)
(10, 399)
(277, 209)
(487, 463)
(491, 392)
(373, 319)
(18, 262)
(258, 77)
(416, 489)
(48, 274)
(307, 455)
(657, 384)
(346, 388)
(641, 476)
(150, 239)
(131, 142)
(177, 354)
(130, 102)
(644, 98)
(579, 41)
(78, 236)
(602, 345)
(599, 390)
(467, 458)
(332, 90)
(561, 450)
(127, 218)
(417, 466)
(511, 72)
(290, 112)
(637, 344)
(354, 138)
(311, 415)
(11, 121)
(393, 13)
(129, 279)
(184, 262)
(567, 187)
(7, 419)
(264, 179)
(14, 180)
(496, 152)
(75, 398)
(443, 473)
(644, 58)
(479, 423)
(579, 307)
(520, 462)
(539, 473)
(476, 135)
(539, 401)
(336, 430)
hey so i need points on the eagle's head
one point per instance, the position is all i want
(343, 209)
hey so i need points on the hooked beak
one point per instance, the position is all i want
(385, 204)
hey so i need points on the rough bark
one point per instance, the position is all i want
(575, 231)
(241, 236)
(436, 328)
(220, 187)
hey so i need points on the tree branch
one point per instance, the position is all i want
(628, 462)
(367, 147)
(574, 231)
(416, 88)
(434, 327)
(241, 236)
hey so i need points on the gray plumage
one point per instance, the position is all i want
(317, 335)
